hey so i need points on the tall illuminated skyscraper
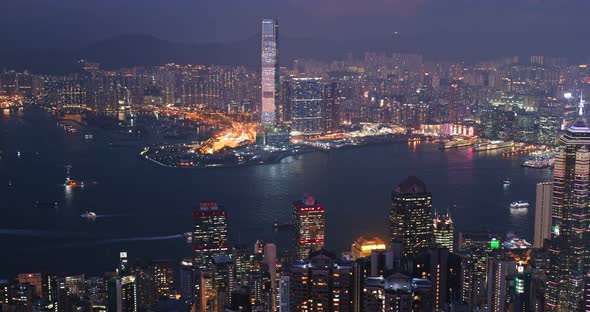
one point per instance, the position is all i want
(410, 218)
(270, 70)
(309, 219)
(568, 246)
(444, 231)
(209, 234)
(543, 213)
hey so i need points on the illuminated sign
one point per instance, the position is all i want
(373, 247)
(495, 244)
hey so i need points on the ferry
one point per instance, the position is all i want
(88, 215)
(492, 145)
(188, 236)
(519, 205)
(74, 183)
(448, 144)
(538, 163)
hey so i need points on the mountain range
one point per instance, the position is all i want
(144, 50)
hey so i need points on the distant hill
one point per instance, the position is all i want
(145, 50)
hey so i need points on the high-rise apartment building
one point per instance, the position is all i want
(305, 99)
(410, 218)
(543, 213)
(309, 219)
(320, 283)
(270, 70)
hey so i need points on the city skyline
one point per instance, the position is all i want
(141, 174)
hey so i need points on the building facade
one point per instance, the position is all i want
(270, 70)
(309, 220)
(410, 219)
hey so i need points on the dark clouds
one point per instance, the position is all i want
(228, 20)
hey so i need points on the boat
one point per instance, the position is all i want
(88, 136)
(74, 183)
(538, 163)
(456, 143)
(88, 215)
(506, 182)
(519, 205)
(492, 145)
(188, 236)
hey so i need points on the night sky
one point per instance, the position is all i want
(83, 21)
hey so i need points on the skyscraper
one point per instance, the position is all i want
(498, 272)
(209, 233)
(543, 213)
(305, 100)
(444, 231)
(270, 70)
(209, 240)
(123, 294)
(569, 221)
(309, 219)
(410, 218)
(320, 283)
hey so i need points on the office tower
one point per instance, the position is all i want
(362, 247)
(223, 276)
(309, 219)
(209, 233)
(410, 216)
(284, 284)
(499, 272)
(270, 70)
(444, 231)
(125, 295)
(209, 240)
(186, 286)
(474, 250)
(305, 105)
(96, 289)
(243, 258)
(320, 283)
(270, 258)
(33, 279)
(543, 213)
(163, 275)
(443, 270)
(570, 221)
(21, 297)
(145, 292)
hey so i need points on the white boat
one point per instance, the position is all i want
(519, 205)
(506, 182)
(89, 215)
(188, 236)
